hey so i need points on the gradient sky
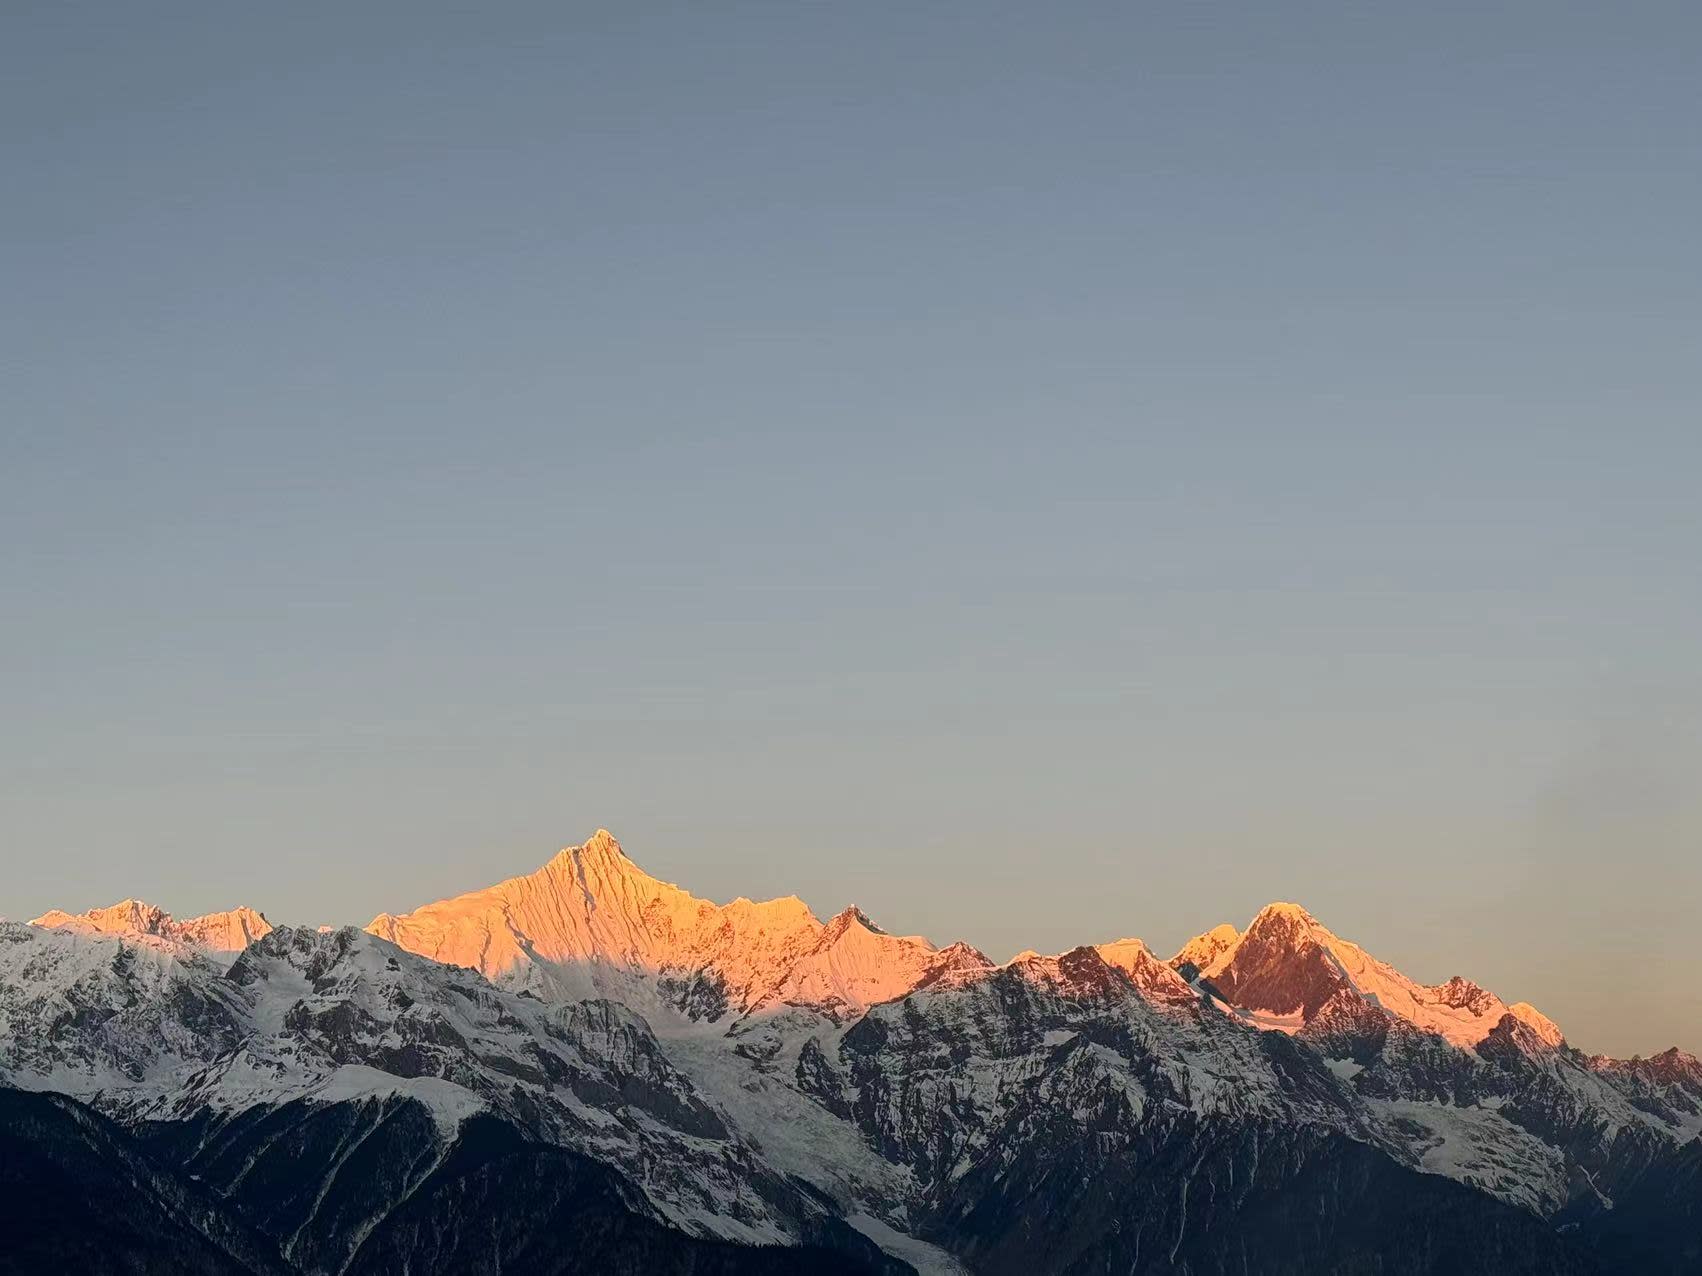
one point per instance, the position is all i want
(1041, 473)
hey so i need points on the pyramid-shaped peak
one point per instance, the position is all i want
(847, 918)
(601, 844)
(591, 920)
(1205, 948)
(961, 951)
(1284, 915)
(1540, 1025)
(1515, 1036)
(1284, 908)
(600, 854)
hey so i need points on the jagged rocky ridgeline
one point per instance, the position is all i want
(588, 1069)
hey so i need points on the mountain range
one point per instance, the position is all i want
(588, 1069)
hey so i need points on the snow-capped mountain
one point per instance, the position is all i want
(591, 922)
(751, 1075)
(1285, 968)
(220, 934)
(312, 1019)
(84, 1011)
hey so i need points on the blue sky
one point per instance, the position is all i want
(1040, 474)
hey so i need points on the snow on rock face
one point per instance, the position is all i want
(82, 1010)
(1479, 1146)
(1154, 979)
(878, 1069)
(855, 965)
(1203, 949)
(1670, 1067)
(591, 916)
(228, 932)
(983, 1066)
(125, 916)
(1288, 966)
(223, 934)
(1546, 1030)
(591, 922)
(1668, 1085)
(150, 1030)
(448, 1103)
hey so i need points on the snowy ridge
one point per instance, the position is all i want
(336, 1017)
(720, 1055)
(855, 965)
(85, 1012)
(1155, 979)
(592, 923)
(1287, 965)
(222, 934)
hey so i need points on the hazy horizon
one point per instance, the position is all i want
(1038, 477)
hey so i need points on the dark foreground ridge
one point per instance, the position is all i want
(83, 1196)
